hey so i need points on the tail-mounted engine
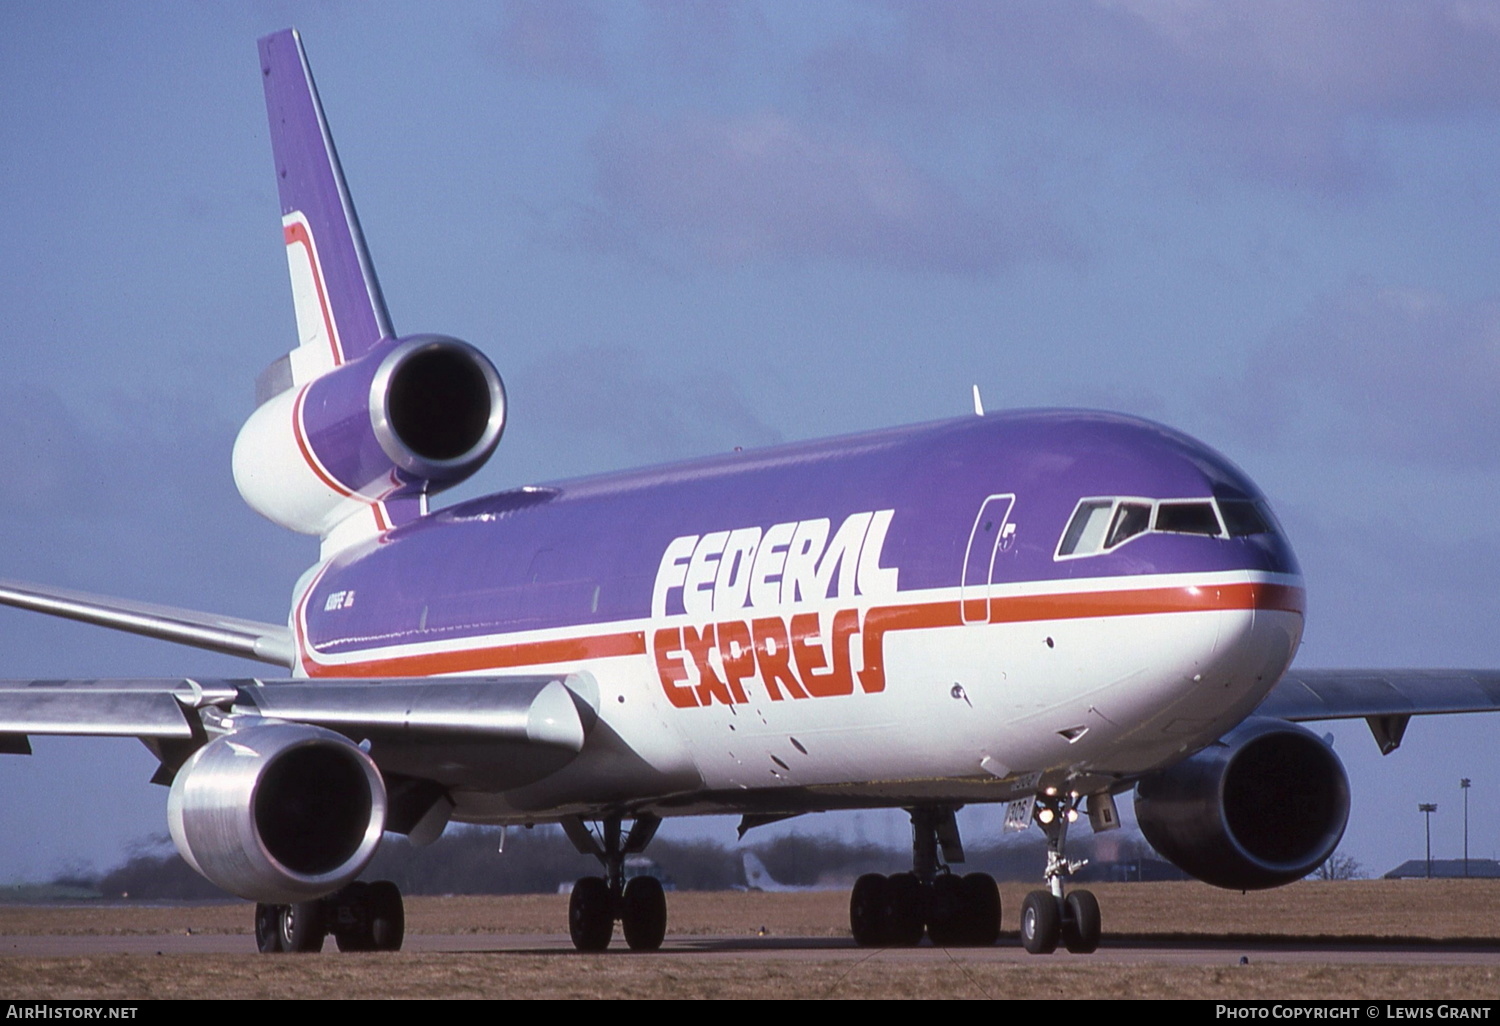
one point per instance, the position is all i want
(278, 812)
(1261, 807)
(409, 418)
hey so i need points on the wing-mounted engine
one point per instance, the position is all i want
(278, 812)
(273, 801)
(409, 418)
(1261, 807)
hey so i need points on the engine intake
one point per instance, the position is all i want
(411, 417)
(437, 407)
(1263, 806)
(278, 812)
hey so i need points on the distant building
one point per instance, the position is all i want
(1142, 870)
(1446, 869)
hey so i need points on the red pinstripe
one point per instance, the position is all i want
(879, 621)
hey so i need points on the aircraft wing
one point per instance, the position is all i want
(427, 736)
(552, 711)
(267, 642)
(1385, 699)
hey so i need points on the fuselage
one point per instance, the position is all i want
(953, 610)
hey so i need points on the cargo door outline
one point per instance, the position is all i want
(991, 528)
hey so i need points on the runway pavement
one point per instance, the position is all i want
(1124, 950)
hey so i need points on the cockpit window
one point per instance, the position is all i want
(1131, 519)
(1242, 517)
(1187, 518)
(1085, 531)
(1103, 524)
(1099, 525)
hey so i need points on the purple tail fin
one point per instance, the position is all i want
(341, 313)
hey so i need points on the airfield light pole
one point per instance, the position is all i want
(1464, 786)
(1427, 809)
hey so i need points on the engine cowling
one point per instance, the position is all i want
(1261, 807)
(412, 416)
(278, 812)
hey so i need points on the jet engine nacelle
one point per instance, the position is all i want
(278, 812)
(1261, 807)
(412, 416)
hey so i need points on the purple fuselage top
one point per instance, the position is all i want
(587, 551)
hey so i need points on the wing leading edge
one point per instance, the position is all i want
(251, 639)
(546, 710)
(1385, 699)
(430, 734)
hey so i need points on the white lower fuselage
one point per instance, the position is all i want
(1032, 693)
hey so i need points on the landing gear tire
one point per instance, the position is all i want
(591, 914)
(1080, 926)
(301, 927)
(268, 928)
(351, 928)
(387, 916)
(644, 913)
(1040, 923)
(866, 902)
(902, 911)
(947, 918)
(980, 900)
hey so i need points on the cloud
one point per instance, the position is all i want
(602, 408)
(765, 185)
(610, 45)
(1408, 373)
(703, 42)
(135, 498)
(1277, 89)
(553, 39)
(46, 464)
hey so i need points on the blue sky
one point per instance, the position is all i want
(679, 227)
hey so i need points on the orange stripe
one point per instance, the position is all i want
(1150, 600)
(298, 232)
(878, 621)
(307, 453)
(1065, 606)
(496, 657)
(299, 624)
(1081, 605)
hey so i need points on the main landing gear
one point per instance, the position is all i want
(597, 903)
(361, 917)
(955, 911)
(1050, 916)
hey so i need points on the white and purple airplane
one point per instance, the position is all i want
(1041, 608)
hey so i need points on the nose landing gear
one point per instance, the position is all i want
(1049, 916)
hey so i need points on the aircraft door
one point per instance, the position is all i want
(990, 535)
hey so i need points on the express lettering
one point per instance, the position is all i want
(810, 655)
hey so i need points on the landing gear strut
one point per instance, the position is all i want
(361, 917)
(597, 903)
(955, 911)
(1050, 916)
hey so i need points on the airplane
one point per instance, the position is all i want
(1042, 608)
(759, 878)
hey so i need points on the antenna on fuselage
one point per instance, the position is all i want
(978, 403)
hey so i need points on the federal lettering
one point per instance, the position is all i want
(788, 564)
